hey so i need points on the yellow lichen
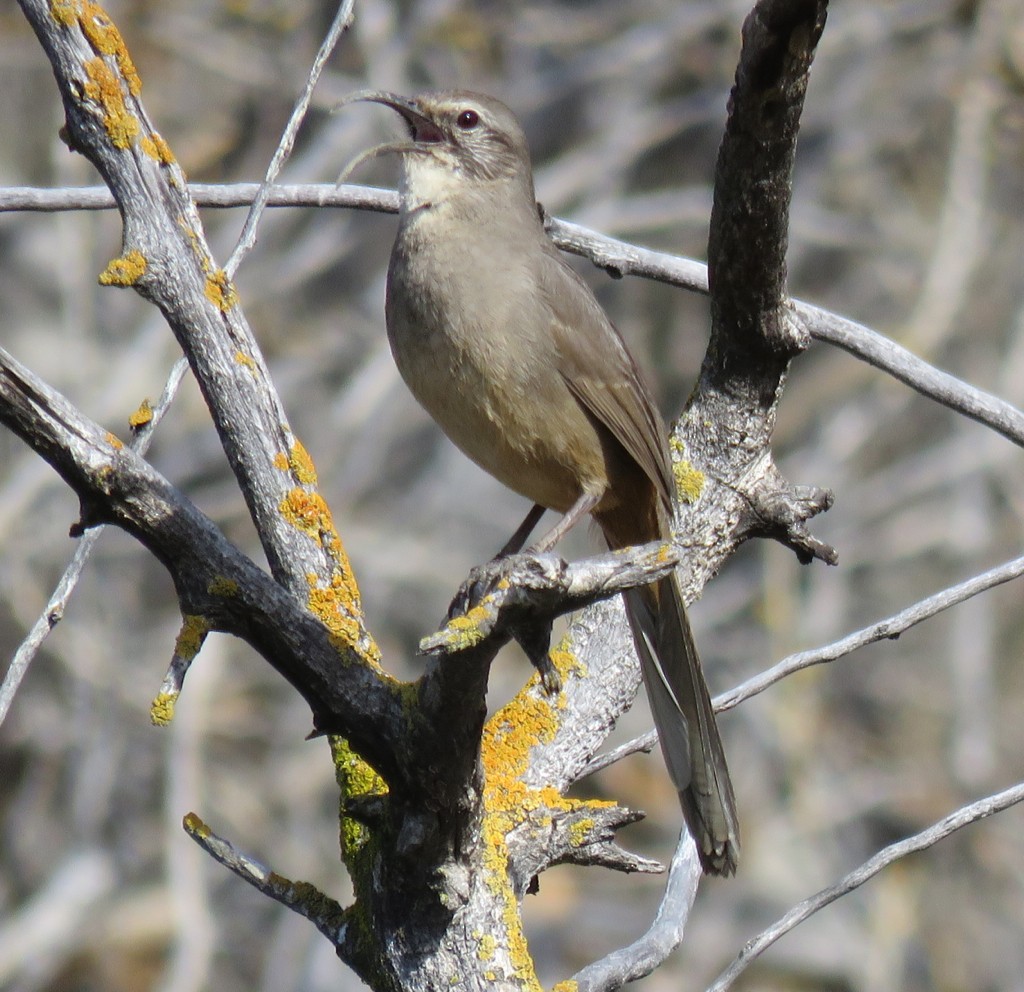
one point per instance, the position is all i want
(142, 416)
(64, 12)
(195, 826)
(567, 986)
(464, 631)
(301, 464)
(124, 271)
(220, 292)
(104, 87)
(689, 480)
(579, 832)
(106, 40)
(157, 148)
(114, 441)
(356, 779)
(281, 461)
(485, 947)
(246, 361)
(194, 629)
(161, 710)
(222, 586)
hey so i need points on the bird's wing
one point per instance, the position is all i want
(602, 374)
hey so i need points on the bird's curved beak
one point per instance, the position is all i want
(421, 128)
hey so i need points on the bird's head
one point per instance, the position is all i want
(457, 139)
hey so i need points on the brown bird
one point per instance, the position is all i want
(509, 351)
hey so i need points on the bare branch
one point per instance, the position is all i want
(54, 611)
(48, 200)
(891, 627)
(213, 579)
(643, 744)
(247, 239)
(302, 897)
(666, 933)
(918, 842)
(620, 258)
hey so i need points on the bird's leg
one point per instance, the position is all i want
(536, 640)
(482, 577)
(575, 513)
(518, 539)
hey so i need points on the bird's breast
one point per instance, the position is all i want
(472, 340)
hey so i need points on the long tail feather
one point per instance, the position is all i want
(685, 720)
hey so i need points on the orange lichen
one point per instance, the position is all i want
(64, 12)
(124, 271)
(334, 608)
(301, 464)
(157, 148)
(526, 721)
(105, 39)
(220, 292)
(114, 441)
(336, 603)
(307, 511)
(104, 87)
(142, 416)
(247, 361)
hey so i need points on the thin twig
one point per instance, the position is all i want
(68, 198)
(666, 933)
(891, 627)
(918, 842)
(54, 611)
(320, 909)
(599, 762)
(618, 257)
(247, 238)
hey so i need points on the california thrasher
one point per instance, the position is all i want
(509, 351)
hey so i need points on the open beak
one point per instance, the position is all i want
(421, 128)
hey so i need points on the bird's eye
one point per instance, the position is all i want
(468, 120)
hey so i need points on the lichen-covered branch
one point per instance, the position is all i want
(307, 900)
(165, 258)
(213, 579)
